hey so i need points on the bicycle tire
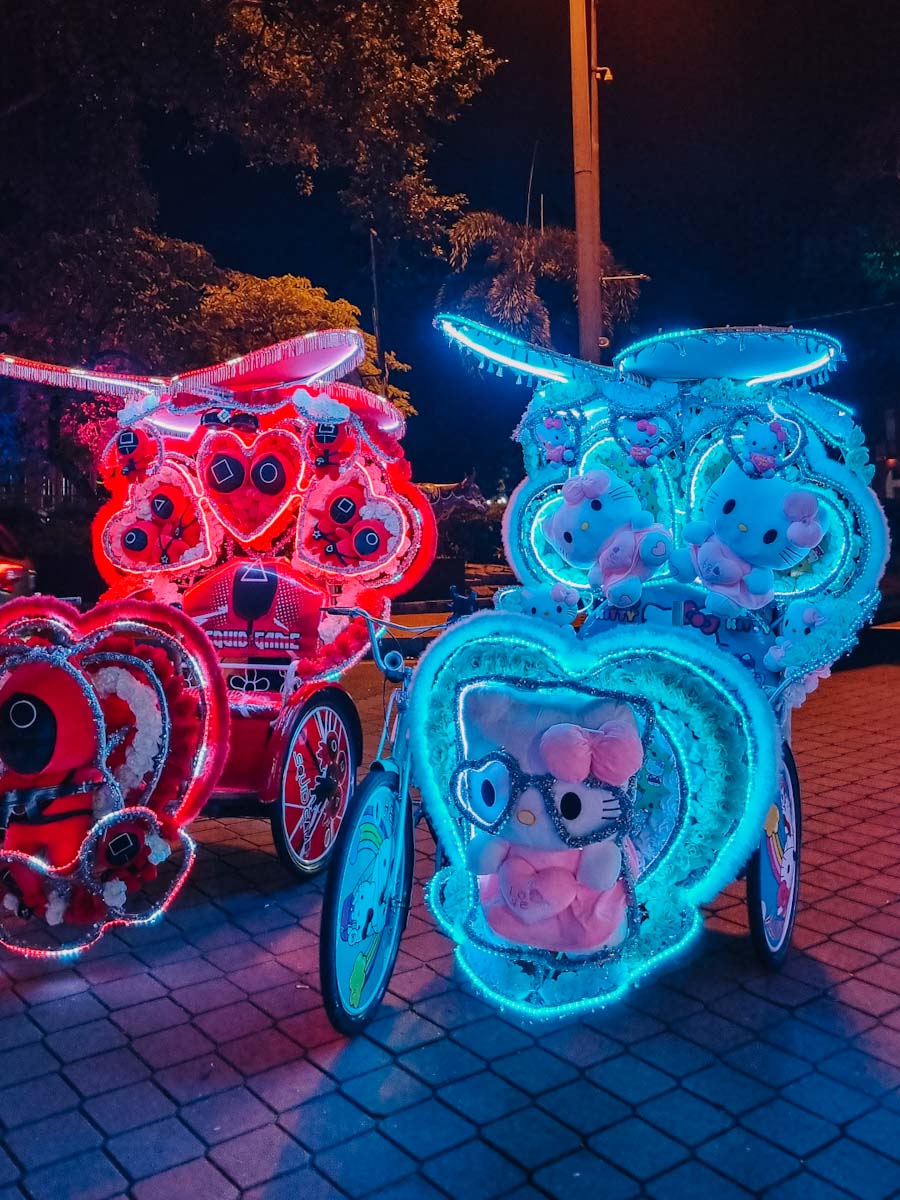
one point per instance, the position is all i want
(357, 953)
(772, 941)
(324, 715)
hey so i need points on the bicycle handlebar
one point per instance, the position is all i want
(392, 670)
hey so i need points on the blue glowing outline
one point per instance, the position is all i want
(577, 664)
(522, 366)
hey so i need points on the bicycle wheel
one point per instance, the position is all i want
(367, 896)
(773, 874)
(318, 774)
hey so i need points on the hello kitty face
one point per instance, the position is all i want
(768, 440)
(557, 604)
(536, 776)
(594, 506)
(765, 522)
(553, 432)
(647, 433)
(800, 619)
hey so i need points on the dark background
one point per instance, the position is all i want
(726, 130)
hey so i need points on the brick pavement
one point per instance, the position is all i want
(194, 1060)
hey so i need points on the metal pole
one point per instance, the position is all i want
(594, 75)
(587, 186)
(376, 326)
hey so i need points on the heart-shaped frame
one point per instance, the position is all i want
(265, 476)
(722, 731)
(154, 663)
(162, 547)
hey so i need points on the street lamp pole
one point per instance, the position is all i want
(586, 154)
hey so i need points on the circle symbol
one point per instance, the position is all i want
(135, 540)
(269, 475)
(22, 713)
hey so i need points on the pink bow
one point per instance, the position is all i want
(585, 487)
(646, 426)
(560, 594)
(804, 529)
(553, 422)
(812, 616)
(612, 753)
(779, 430)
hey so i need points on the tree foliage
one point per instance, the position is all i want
(142, 303)
(851, 265)
(357, 86)
(502, 265)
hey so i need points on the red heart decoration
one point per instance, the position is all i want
(160, 529)
(250, 485)
(113, 732)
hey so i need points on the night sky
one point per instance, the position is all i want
(723, 133)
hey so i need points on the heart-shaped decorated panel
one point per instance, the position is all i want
(589, 798)
(369, 526)
(250, 483)
(161, 528)
(135, 453)
(113, 731)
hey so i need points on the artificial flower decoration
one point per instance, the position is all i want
(704, 519)
(113, 732)
(572, 871)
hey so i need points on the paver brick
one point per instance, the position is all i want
(857, 1169)
(584, 1176)
(101, 1072)
(150, 1148)
(173, 1045)
(197, 1180)
(483, 1172)
(749, 1160)
(97, 1178)
(638, 1149)
(259, 1155)
(326, 1121)
(128, 1107)
(365, 1163)
(54, 1138)
(426, 1129)
(686, 1117)
(793, 1129)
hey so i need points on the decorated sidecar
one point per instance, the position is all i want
(702, 516)
(245, 499)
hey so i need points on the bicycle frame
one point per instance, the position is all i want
(393, 748)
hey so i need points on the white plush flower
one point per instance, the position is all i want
(321, 408)
(330, 627)
(56, 909)
(381, 510)
(115, 893)
(158, 847)
(144, 748)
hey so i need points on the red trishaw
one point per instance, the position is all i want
(251, 495)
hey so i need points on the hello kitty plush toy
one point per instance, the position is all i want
(800, 620)
(752, 528)
(601, 525)
(646, 439)
(763, 447)
(791, 649)
(550, 851)
(556, 440)
(557, 604)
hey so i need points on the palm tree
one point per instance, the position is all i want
(503, 263)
